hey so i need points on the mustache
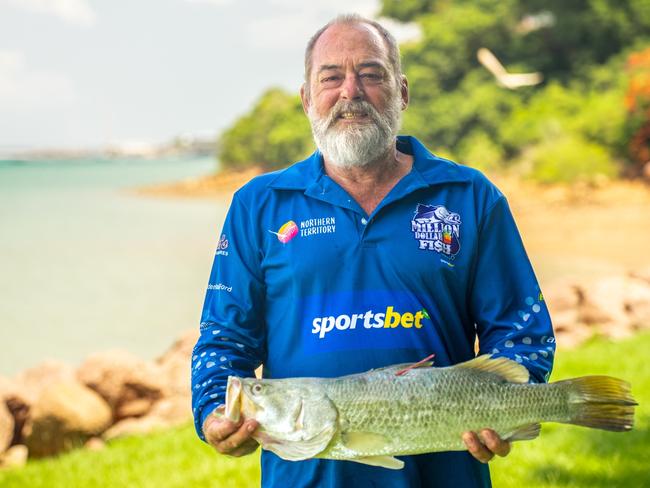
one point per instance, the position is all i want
(351, 106)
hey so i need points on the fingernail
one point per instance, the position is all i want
(250, 427)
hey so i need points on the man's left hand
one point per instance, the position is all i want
(484, 451)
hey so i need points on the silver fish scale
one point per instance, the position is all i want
(428, 409)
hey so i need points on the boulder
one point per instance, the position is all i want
(6, 427)
(561, 297)
(174, 364)
(64, 416)
(95, 444)
(168, 412)
(32, 381)
(14, 397)
(129, 384)
(14, 457)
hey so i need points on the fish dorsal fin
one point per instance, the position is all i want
(395, 368)
(389, 462)
(506, 368)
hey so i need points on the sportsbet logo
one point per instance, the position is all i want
(390, 319)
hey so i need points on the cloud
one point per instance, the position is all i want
(76, 12)
(25, 89)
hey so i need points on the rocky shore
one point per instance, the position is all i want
(54, 407)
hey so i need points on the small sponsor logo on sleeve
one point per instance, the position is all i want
(219, 287)
(222, 246)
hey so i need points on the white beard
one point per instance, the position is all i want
(361, 144)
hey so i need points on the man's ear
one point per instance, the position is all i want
(304, 99)
(404, 89)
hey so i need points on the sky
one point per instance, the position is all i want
(91, 73)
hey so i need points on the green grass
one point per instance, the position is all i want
(563, 456)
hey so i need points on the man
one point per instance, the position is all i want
(371, 252)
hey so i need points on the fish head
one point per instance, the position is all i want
(297, 420)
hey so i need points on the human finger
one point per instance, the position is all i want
(494, 443)
(476, 448)
(235, 440)
(217, 428)
(247, 447)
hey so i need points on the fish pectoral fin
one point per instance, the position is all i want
(388, 462)
(523, 433)
(505, 368)
(363, 441)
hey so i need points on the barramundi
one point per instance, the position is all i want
(401, 410)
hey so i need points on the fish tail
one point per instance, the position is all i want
(600, 402)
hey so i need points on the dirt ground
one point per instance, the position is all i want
(571, 232)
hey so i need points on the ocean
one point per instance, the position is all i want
(87, 265)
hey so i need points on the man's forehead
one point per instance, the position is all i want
(340, 40)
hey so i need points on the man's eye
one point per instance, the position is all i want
(329, 78)
(370, 76)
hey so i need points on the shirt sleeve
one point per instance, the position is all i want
(507, 305)
(232, 331)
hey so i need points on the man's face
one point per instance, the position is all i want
(354, 102)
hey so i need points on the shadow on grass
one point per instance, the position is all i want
(605, 461)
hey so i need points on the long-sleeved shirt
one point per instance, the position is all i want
(307, 284)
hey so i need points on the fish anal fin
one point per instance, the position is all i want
(523, 433)
(388, 462)
(505, 368)
(364, 441)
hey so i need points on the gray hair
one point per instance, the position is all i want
(352, 19)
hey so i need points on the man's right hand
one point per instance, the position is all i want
(230, 438)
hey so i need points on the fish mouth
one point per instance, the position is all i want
(233, 399)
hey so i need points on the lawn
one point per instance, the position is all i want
(563, 456)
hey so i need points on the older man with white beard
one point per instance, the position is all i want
(371, 252)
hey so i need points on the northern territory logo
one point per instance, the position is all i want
(436, 229)
(288, 231)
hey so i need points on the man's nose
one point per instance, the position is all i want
(351, 88)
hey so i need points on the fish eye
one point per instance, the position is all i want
(256, 389)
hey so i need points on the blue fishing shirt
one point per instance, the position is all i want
(307, 284)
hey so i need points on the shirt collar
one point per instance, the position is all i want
(427, 167)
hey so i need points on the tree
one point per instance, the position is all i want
(272, 135)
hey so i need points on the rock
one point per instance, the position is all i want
(6, 427)
(33, 380)
(15, 398)
(174, 364)
(95, 444)
(134, 426)
(129, 384)
(166, 413)
(65, 415)
(561, 297)
(14, 457)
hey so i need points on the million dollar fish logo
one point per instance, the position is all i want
(288, 231)
(436, 229)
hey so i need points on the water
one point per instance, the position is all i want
(87, 265)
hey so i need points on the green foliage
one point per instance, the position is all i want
(569, 159)
(563, 456)
(274, 134)
(457, 106)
